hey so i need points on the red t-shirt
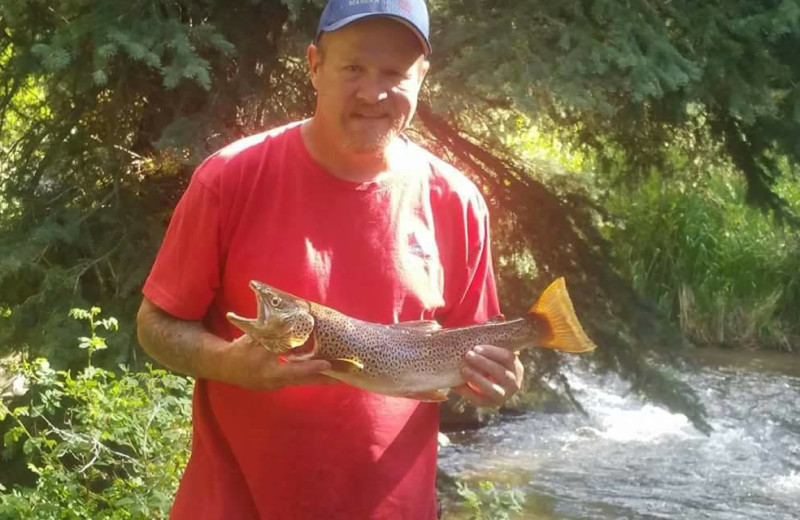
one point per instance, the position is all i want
(412, 246)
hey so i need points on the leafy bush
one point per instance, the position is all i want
(489, 502)
(96, 444)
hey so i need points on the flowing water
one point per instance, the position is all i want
(630, 459)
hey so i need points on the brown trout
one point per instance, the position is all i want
(414, 359)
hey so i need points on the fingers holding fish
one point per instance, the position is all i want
(494, 372)
(485, 386)
(500, 364)
(249, 365)
(474, 397)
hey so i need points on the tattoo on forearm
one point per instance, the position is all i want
(172, 342)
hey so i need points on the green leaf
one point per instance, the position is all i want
(54, 58)
(221, 44)
(110, 324)
(80, 314)
(107, 50)
(100, 78)
(28, 447)
(12, 436)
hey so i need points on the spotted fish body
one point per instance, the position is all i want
(412, 359)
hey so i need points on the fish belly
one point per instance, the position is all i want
(400, 384)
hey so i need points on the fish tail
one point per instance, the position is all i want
(564, 332)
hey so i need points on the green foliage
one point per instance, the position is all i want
(105, 109)
(625, 79)
(489, 502)
(93, 342)
(724, 271)
(96, 444)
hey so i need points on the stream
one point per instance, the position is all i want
(631, 459)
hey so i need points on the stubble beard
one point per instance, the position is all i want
(364, 141)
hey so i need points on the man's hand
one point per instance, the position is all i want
(493, 375)
(249, 365)
(187, 347)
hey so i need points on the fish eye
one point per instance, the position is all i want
(275, 301)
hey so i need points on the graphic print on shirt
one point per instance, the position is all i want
(419, 256)
(415, 248)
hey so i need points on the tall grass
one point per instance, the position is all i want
(725, 271)
(684, 237)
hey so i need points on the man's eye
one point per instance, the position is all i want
(398, 77)
(352, 68)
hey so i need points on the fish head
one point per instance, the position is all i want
(283, 321)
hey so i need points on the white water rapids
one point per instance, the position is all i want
(630, 459)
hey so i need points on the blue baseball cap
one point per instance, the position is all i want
(412, 13)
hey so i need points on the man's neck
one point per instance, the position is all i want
(366, 167)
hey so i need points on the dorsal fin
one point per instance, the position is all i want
(418, 326)
(555, 308)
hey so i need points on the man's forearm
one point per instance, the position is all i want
(184, 346)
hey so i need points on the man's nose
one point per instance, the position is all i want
(372, 89)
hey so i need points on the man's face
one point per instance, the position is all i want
(367, 76)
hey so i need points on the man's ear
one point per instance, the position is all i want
(314, 58)
(426, 65)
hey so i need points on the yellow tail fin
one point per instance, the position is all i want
(555, 308)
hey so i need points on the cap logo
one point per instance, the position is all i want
(404, 5)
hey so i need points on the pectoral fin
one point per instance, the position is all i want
(349, 366)
(432, 396)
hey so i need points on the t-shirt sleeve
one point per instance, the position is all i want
(478, 302)
(186, 273)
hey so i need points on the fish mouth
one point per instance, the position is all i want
(278, 328)
(263, 312)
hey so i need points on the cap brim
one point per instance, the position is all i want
(360, 16)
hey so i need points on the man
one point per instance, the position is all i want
(341, 209)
